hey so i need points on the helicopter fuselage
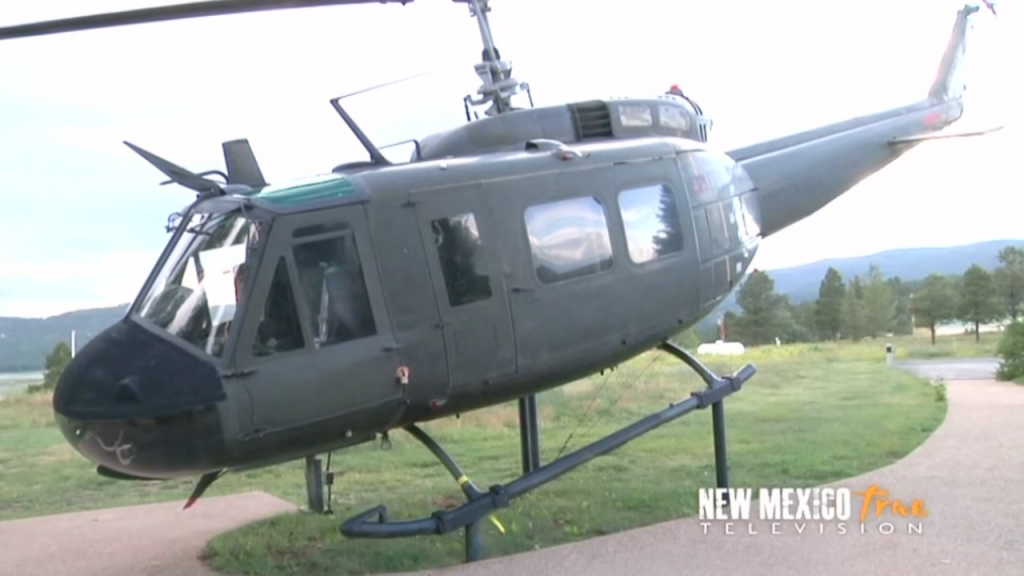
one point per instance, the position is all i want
(514, 254)
(412, 293)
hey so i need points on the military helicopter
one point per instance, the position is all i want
(510, 255)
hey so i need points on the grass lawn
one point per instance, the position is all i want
(814, 413)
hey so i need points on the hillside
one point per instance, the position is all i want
(801, 283)
(25, 342)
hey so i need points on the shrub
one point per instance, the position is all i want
(1011, 350)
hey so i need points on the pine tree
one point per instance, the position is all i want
(879, 305)
(855, 324)
(978, 303)
(934, 303)
(765, 314)
(56, 361)
(1009, 279)
(828, 309)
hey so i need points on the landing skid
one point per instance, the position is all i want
(373, 523)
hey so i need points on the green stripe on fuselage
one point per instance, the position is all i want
(333, 186)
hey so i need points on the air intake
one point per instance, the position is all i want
(591, 120)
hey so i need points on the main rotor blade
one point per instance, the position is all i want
(176, 173)
(164, 13)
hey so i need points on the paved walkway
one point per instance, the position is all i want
(147, 540)
(968, 473)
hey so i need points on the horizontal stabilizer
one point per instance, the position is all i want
(177, 173)
(942, 135)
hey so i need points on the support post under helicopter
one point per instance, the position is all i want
(315, 484)
(529, 433)
(374, 523)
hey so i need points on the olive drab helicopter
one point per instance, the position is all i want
(527, 248)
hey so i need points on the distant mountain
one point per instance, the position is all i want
(801, 283)
(25, 342)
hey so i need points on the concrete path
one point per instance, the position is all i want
(968, 474)
(952, 368)
(147, 540)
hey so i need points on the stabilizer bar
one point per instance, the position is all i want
(373, 523)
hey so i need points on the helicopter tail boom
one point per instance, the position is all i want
(797, 175)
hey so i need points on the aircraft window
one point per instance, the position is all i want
(710, 173)
(331, 278)
(651, 221)
(279, 329)
(718, 225)
(569, 239)
(197, 291)
(458, 247)
(673, 117)
(633, 115)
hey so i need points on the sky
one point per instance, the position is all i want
(82, 217)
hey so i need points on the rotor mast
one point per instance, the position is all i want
(497, 86)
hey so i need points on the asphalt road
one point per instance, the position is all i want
(952, 369)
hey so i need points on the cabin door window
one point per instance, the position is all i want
(463, 265)
(278, 329)
(331, 279)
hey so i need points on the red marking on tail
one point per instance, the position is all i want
(190, 502)
(932, 118)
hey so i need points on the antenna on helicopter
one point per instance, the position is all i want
(497, 86)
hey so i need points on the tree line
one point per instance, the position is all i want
(875, 305)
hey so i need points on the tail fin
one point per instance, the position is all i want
(948, 88)
(949, 83)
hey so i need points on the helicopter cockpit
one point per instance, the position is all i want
(195, 293)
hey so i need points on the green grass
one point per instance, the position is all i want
(812, 414)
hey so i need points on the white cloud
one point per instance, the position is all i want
(104, 280)
(180, 88)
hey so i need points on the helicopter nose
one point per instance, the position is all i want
(140, 406)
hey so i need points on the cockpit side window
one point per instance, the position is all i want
(332, 281)
(279, 329)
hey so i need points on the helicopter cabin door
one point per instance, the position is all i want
(318, 340)
(461, 245)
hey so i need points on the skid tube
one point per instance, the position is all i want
(374, 523)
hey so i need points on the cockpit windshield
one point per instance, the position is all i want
(196, 292)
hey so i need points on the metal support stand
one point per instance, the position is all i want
(721, 460)
(314, 484)
(474, 541)
(529, 433)
(717, 415)
(374, 523)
